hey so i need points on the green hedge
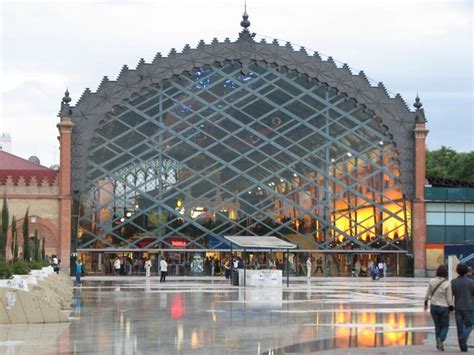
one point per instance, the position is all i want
(34, 265)
(5, 270)
(21, 267)
(44, 263)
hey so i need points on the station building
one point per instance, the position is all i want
(244, 137)
(29, 186)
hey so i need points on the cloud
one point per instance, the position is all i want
(410, 45)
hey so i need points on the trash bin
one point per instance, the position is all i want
(234, 277)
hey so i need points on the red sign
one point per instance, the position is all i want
(178, 242)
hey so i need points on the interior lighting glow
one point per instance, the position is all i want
(197, 211)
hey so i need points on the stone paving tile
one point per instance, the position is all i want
(132, 315)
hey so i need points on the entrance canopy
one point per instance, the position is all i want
(259, 242)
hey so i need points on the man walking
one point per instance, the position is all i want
(78, 272)
(147, 267)
(309, 265)
(463, 292)
(163, 269)
(319, 266)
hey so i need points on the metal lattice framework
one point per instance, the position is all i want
(215, 151)
(242, 138)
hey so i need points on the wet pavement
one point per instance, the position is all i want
(131, 315)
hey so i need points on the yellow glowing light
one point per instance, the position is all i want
(394, 223)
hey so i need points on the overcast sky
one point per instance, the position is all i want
(410, 45)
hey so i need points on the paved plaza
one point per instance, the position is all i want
(131, 315)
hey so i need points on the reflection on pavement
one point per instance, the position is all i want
(352, 341)
(144, 316)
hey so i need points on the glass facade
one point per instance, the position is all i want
(450, 222)
(214, 152)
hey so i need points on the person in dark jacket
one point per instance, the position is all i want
(463, 292)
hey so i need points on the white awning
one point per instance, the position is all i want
(259, 242)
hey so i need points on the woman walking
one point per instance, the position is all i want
(163, 269)
(440, 294)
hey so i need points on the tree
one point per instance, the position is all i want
(26, 237)
(447, 163)
(36, 243)
(14, 243)
(43, 252)
(4, 228)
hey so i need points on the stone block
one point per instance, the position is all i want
(50, 313)
(3, 313)
(13, 306)
(31, 307)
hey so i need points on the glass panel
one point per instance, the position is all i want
(435, 234)
(469, 236)
(469, 207)
(435, 207)
(469, 219)
(435, 219)
(454, 235)
(454, 219)
(455, 207)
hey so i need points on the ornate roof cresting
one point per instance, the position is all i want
(95, 107)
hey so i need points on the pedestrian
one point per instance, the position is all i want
(370, 267)
(309, 265)
(78, 272)
(328, 266)
(357, 267)
(163, 269)
(147, 268)
(375, 273)
(117, 265)
(380, 266)
(441, 303)
(463, 292)
(384, 268)
(319, 265)
(255, 264)
(55, 263)
(227, 269)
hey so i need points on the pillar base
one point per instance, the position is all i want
(420, 273)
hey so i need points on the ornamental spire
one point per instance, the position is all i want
(66, 98)
(245, 23)
(417, 103)
(65, 109)
(420, 112)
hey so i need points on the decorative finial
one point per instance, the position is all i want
(418, 104)
(245, 23)
(66, 98)
(65, 109)
(420, 112)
